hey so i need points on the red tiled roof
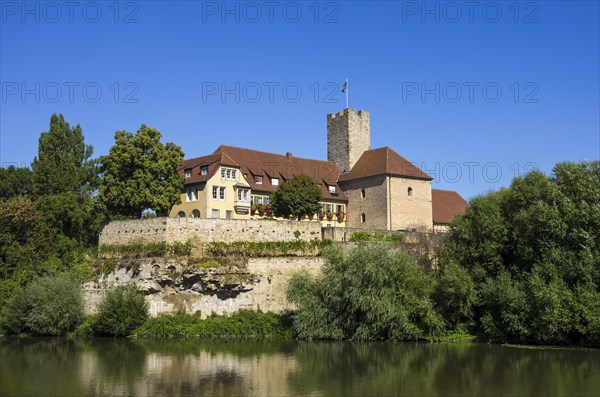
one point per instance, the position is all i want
(213, 161)
(383, 161)
(253, 163)
(446, 205)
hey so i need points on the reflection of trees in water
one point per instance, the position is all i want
(442, 370)
(199, 367)
(31, 367)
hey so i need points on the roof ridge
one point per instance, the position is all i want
(273, 153)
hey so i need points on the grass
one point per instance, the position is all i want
(269, 248)
(151, 250)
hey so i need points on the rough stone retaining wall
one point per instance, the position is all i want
(172, 285)
(144, 231)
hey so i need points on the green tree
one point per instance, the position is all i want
(25, 236)
(140, 173)
(63, 162)
(15, 181)
(122, 310)
(297, 198)
(48, 306)
(533, 251)
(366, 293)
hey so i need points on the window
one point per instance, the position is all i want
(260, 199)
(216, 214)
(188, 172)
(362, 193)
(363, 218)
(215, 192)
(239, 194)
(328, 207)
(204, 170)
(195, 213)
(268, 200)
(274, 181)
(222, 193)
(340, 208)
(228, 214)
(191, 194)
(410, 191)
(181, 214)
(228, 173)
(259, 180)
(331, 189)
(246, 195)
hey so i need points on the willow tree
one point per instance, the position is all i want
(140, 172)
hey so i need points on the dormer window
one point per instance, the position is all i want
(331, 189)
(274, 181)
(259, 180)
(204, 170)
(188, 172)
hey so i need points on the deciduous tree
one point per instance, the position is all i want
(297, 198)
(140, 173)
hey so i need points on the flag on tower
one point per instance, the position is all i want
(345, 86)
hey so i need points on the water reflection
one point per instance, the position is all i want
(115, 367)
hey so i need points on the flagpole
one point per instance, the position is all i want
(347, 93)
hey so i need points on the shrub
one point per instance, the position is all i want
(48, 306)
(366, 293)
(242, 324)
(86, 328)
(121, 311)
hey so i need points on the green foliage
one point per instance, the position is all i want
(533, 252)
(211, 263)
(455, 294)
(296, 198)
(152, 250)
(366, 293)
(63, 161)
(121, 311)
(139, 173)
(25, 236)
(242, 324)
(15, 181)
(48, 306)
(269, 248)
(85, 329)
(366, 236)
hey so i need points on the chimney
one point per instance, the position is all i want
(288, 155)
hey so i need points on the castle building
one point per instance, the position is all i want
(362, 187)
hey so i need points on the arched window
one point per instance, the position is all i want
(181, 214)
(362, 193)
(363, 218)
(410, 191)
(195, 213)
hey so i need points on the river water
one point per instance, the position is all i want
(123, 367)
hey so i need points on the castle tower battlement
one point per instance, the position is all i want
(348, 137)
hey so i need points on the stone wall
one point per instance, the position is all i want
(410, 211)
(348, 137)
(374, 204)
(200, 231)
(175, 285)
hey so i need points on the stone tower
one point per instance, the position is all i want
(348, 137)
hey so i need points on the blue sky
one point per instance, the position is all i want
(473, 94)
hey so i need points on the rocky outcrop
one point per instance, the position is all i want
(173, 285)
